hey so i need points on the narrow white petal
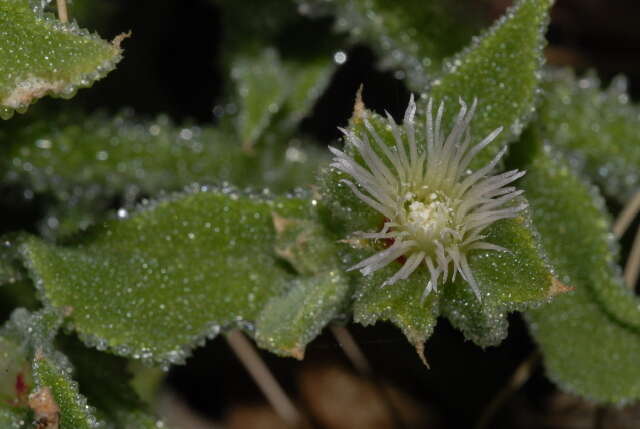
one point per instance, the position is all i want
(407, 269)
(382, 258)
(467, 274)
(483, 245)
(369, 201)
(477, 148)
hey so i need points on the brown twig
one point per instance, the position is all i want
(632, 267)
(263, 377)
(626, 216)
(63, 13)
(519, 377)
(351, 349)
(620, 226)
(363, 367)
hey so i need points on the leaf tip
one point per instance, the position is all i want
(359, 109)
(558, 288)
(117, 41)
(420, 350)
(296, 352)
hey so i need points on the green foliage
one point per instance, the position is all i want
(74, 410)
(400, 304)
(274, 91)
(106, 380)
(147, 243)
(596, 127)
(37, 380)
(413, 36)
(588, 347)
(84, 162)
(289, 322)
(157, 283)
(502, 69)
(509, 281)
(40, 56)
(60, 153)
(44, 372)
(261, 87)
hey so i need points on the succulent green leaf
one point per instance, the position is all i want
(308, 78)
(53, 396)
(276, 93)
(41, 56)
(413, 36)
(597, 128)
(400, 304)
(303, 242)
(37, 379)
(588, 347)
(262, 87)
(15, 382)
(501, 68)
(51, 379)
(155, 284)
(288, 323)
(87, 161)
(509, 281)
(105, 380)
(58, 154)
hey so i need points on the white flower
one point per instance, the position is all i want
(435, 208)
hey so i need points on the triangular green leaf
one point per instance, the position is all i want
(262, 86)
(105, 380)
(597, 127)
(41, 56)
(289, 322)
(401, 304)
(87, 161)
(157, 283)
(587, 349)
(509, 281)
(53, 397)
(502, 69)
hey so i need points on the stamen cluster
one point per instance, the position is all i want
(435, 209)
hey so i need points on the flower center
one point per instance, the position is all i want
(430, 220)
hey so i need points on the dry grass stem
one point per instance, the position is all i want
(263, 377)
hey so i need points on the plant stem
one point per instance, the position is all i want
(519, 377)
(632, 267)
(351, 349)
(63, 14)
(620, 226)
(362, 366)
(263, 377)
(626, 216)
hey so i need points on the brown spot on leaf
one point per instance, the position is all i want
(557, 287)
(45, 409)
(359, 109)
(30, 89)
(280, 223)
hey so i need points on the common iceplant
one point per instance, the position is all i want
(435, 209)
